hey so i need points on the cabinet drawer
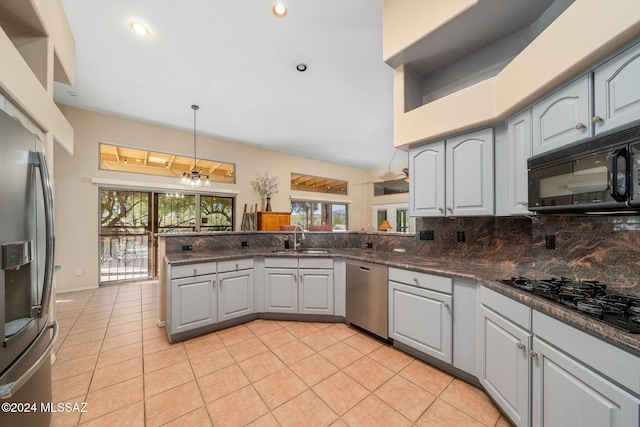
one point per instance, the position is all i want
(235, 265)
(506, 307)
(590, 351)
(188, 270)
(273, 262)
(316, 262)
(422, 280)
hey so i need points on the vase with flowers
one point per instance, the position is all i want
(266, 187)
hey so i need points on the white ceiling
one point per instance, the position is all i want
(237, 61)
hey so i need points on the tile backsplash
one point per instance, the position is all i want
(606, 248)
(602, 247)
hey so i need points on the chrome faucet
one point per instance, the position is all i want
(297, 244)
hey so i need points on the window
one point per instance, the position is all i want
(306, 213)
(315, 184)
(129, 221)
(398, 216)
(216, 213)
(176, 212)
(397, 186)
(125, 159)
(186, 213)
(125, 235)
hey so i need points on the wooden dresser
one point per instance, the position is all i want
(272, 220)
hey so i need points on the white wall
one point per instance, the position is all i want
(77, 198)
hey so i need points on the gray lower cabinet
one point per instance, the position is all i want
(299, 286)
(568, 394)
(316, 291)
(543, 372)
(235, 289)
(420, 312)
(281, 290)
(503, 362)
(581, 381)
(203, 294)
(193, 303)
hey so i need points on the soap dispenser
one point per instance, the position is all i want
(286, 242)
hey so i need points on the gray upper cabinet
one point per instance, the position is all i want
(470, 174)
(453, 178)
(518, 151)
(426, 187)
(617, 91)
(563, 117)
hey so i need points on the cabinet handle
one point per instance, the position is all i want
(580, 125)
(441, 210)
(450, 210)
(415, 279)
(595, 119)
(520, 345)
(533, 354)
(524, 203)
(237, 265)
(446, 305)
(195, 271)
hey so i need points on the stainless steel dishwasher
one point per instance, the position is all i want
(367, 297)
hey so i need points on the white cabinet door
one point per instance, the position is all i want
(563, 117)
(566, 393)
(193, 303)
(469, 174)
(617, 91)
(518, 151)
(316, 291)
(421, 319)
(281, 290)
(235, 294)
(504, 364)
(426, 187)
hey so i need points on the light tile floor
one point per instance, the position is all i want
(111, 354)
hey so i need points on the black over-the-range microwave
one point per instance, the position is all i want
(600, 174)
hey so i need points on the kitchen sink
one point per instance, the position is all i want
(301, 251)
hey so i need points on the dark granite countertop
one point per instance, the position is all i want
(486, 274)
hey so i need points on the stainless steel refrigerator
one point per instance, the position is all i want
(27, 332)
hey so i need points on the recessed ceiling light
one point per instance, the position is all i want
(301, 67)
(139, 28)
(280, 10)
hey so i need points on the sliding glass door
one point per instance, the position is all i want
(129, 221)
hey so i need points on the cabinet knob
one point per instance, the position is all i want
(520, 345)
(415, 279)
(595, 119)
(195, 271)
(441, 210)
(446, 305)
(580, 125)
(237, 265)
(450, 209)
(533, 354)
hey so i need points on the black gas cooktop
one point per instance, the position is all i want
(588, 297)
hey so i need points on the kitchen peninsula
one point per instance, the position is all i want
(477, 298)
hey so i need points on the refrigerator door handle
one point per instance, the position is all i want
(8, 390)
(40, 161)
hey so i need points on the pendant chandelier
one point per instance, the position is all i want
(196, 178)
